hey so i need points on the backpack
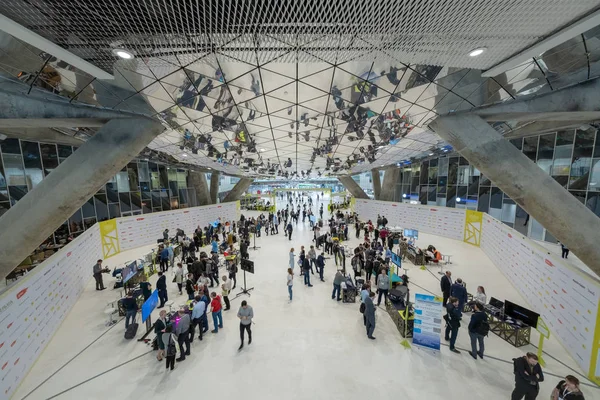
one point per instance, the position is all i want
(483, 328)
(171, 349)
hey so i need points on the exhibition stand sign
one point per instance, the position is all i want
(428, 320)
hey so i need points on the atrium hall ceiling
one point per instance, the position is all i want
(296, 89)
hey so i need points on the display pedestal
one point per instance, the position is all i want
(517, 336)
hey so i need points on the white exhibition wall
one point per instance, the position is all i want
(34, 307)
(566, 297)
(142, 230)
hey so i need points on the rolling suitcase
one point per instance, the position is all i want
(131, 331)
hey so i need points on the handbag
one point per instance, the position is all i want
(362, 308)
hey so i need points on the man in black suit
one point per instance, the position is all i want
(446, 285)
(161, 286)
(459, 291)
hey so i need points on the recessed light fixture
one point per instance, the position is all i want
(184, 154)
(430, 154)
(477, 52)
(262, 149)
(458, 199)
(122, 53)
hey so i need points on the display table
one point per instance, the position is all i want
(517, 335)
(413, 257)
(397, 312)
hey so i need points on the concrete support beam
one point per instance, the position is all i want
(238, 190)
(69, 186)
(353, 187)
(376, 183)
(198, 182)
(539, 194)
(390, 179)
(214, 186)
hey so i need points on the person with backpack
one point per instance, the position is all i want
(452, 319)
(479, 327)
(169, 339)
(528, 374)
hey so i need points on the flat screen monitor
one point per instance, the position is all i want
(247, 266)
(515, 311)
(396, 259)
(129, 271)
(494, 302)
(413, 233)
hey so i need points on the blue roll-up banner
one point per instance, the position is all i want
(428, 321)
(149, 305)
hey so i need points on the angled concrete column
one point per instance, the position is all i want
(390, 179)
(238, 190)
(214, 186)
(198, 182)
(353, 187)
(376, 183)
(69, 186)
(528, 185)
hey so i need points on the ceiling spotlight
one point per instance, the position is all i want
(122, 53)
(184, 154)
(477, 52)
(262, 150)
(430, 154)
(458, 199)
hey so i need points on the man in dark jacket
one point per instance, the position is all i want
(161, 286)
(289, 230)
(459, 291)
(321, 265)
(370, 315)
(306, 269)
(478, 319)
(452, 322)
(446, 285)
(528, 374)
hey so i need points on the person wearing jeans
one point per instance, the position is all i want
(476, 320)
(216, 308)
(452, 322)
(383, 285)
(245, 314)
(337, 285)
(306, 268)
(290, 282)
(182, 330)
(198, 317)
(131, 308)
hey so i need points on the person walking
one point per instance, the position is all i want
(245, 314)
(446, 285)
(567, 389)
(226, 288)
(159, 327)
(383, 286)
(290, 282)
(337, 285)
(178, 279)
(478, 329)
(292, 260)
(289, 230)
(182, 330)
(370, 315)
(161, 286)
(528, 375)
(131, 308)
(198, 317)
(169, 339)
(215, 308)
(306, 270)
(565, 250)
(189, 286)
(452, 319)
(97, 271)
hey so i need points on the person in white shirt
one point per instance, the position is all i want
(290, 282)
(226, 288)
(179, 277)
(480, 296)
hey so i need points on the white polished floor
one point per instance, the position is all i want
(312, 348)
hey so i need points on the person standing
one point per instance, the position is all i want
(97, 271)
(179, 277)
(306, 270)
(364, 294)
(161, 286)
(452, 322)
(567, 389)
(290, 282)
(321, 265)
(292, 260)
(245, 314)
(565, 250)
(383, 286)
(478, 329)
(446, 285)
(198, 318)
(146, 287)
(131, 308)
(189, 286)
(226, 288)
(215, 308)
(370, 315)
(166, 235)
(312, 257)
(159, 327)
(169, 339)
(528, 374)
(337, 285)
(480, 297)
(164, 259)
(459, 291)
(182, 330)
(289, 230)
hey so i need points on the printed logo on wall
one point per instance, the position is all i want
(110, 238)
(428, 321)
(473, 224)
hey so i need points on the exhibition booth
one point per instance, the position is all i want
(34, 306)
(561, 300)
